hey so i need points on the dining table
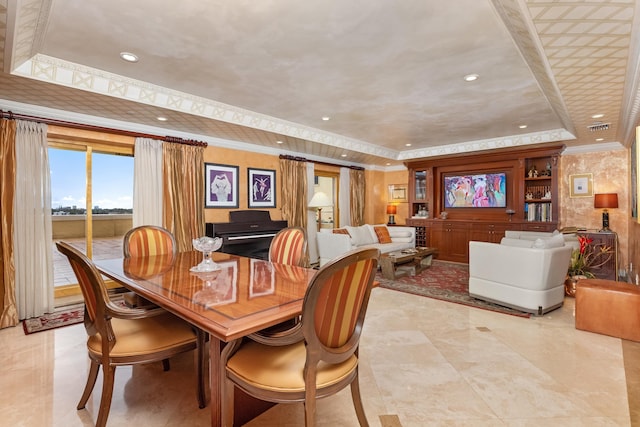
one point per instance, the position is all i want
(241, 296)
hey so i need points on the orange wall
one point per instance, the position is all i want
(244, 160)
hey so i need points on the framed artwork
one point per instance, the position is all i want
(263, 278)
(398, 193)
(262, 188)
(581, 185)
(221, 186)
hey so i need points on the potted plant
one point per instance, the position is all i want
(584, 259)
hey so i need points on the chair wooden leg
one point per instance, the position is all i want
(310, 405)
(227, 402)
(107, 392)
(91, 382)
(166, 365)
(357, 402)
(201, 338)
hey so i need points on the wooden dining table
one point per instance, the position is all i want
(243, 296)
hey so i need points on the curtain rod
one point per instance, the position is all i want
(16, 116)
(302, 159)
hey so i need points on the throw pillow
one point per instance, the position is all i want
(360, 235)
(383, 234)
(340, 231)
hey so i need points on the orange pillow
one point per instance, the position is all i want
(382, 233)
(341, 231)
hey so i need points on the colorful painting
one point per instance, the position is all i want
(486, 190)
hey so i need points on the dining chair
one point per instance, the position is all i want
(119, 335)
(146, 240)
(318, 356)
(289, 246)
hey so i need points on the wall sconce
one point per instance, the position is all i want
(391, 211)
(319, 201)
(605, 201)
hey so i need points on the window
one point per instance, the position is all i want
(89, 174)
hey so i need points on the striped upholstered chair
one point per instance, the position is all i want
(123, 336)
(318, 357)
(146, 240)
(289, 246)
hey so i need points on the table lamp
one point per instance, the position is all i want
(605, 201)
(391, 211)
(318, 201)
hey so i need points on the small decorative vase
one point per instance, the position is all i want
(570, 284)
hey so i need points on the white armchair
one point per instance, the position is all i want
(530, 279)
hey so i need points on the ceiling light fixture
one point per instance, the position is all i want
(597, 116)
(599, 139)
(162, 119)
(407, 145)
(278, 142)
(326, 118)
(471, 77)
(129, 57)
(522, 126)
(343, 155)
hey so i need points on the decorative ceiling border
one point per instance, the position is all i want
(515, 16)
(489, 144)
(64, 73)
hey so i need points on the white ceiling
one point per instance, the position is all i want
(387, 73)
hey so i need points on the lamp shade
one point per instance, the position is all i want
(391, 209)
(320, 200)
(606, 200)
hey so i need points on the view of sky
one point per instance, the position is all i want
(112, 179)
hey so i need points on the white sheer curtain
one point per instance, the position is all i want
(345, 198)
(32, 238)
(312, 226)
(147, 182)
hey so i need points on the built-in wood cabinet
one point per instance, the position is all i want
(531, 197)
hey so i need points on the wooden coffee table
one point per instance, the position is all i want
(407, 262)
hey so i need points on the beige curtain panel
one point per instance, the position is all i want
(293, 176)
(357, 187)
(8, 311)
(183, 192)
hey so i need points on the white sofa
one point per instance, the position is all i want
(522, 273)
(332, 245)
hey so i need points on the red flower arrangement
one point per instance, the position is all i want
(588, 257)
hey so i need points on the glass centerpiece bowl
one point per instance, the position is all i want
(206, 245)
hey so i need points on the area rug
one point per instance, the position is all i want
(446, 281)
(64, 316)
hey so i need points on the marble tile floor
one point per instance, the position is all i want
(424, 363)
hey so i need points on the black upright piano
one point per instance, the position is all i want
(248, 233)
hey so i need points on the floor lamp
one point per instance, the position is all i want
(319, 201)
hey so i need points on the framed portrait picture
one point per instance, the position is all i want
(581, 185)
(398, 193)
(221, 186)
(262, 188)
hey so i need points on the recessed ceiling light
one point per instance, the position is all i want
(343, 155)
(162, 119)
(597, 116)
(599, 139)
(129, 57)
(407, 145)
(326, 118)
(522, 126)
(278, 142)
(471, 77)
(388, 164)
